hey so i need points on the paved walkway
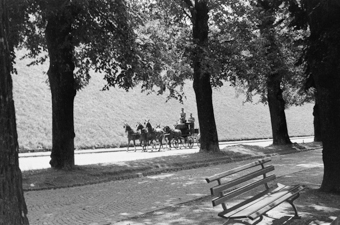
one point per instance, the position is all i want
(108, 203)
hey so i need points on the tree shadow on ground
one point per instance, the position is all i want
(314, 207)
(98, 173)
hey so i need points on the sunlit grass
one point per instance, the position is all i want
(99, 115)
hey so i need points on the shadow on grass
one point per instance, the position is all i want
(98, 173)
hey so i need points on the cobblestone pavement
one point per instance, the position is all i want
(110, 202)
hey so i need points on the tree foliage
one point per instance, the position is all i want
(162, 45)
(102, 37)
(252, 61)
(237, 53)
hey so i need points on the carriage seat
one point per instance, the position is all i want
(181, 126)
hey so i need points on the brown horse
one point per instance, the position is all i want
(143, 136)
(132, 135)
(154, 134)
(173, 134)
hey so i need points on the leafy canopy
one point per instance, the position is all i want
(102, 36)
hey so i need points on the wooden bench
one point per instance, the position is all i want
(251, 177)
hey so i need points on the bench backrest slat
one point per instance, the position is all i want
(238, 169)
(239, 205)
(220, 188)
(242, 190)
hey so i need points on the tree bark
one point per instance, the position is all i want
(201, 84)
(323, 60)
(62, 84)
(317, 123)
(329, 101)
(13, 208)
(277, 111)
(275, 99)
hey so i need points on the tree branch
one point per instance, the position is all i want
(189, 3)
(187, 14)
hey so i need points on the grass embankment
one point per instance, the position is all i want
(99, 115)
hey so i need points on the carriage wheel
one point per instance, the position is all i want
(190, 142)
(174, 143)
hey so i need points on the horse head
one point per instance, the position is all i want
(139, 126)
(146, 121)
(148, 124)
(127, 127)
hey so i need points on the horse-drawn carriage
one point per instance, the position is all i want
(187, 135)
(182, 134)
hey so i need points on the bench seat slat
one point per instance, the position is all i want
(293, 192)
(240, 211)
(242, 190)
(238, 169)
(216, 190)
(249, 200)
(255, 208)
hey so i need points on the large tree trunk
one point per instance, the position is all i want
(62, 83)
(13, 208)
(329, 98)
(324, 60)
(317, 123)
(202, 86)
(277, 111)
(276, 102)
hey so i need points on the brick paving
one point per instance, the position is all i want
(107, 203)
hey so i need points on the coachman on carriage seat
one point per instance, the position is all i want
(182, 118)
(191, 122)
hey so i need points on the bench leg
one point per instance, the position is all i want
(259, 220)
(290, 201)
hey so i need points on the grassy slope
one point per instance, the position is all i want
(99, 115)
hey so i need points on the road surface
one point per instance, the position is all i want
(40, 160)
